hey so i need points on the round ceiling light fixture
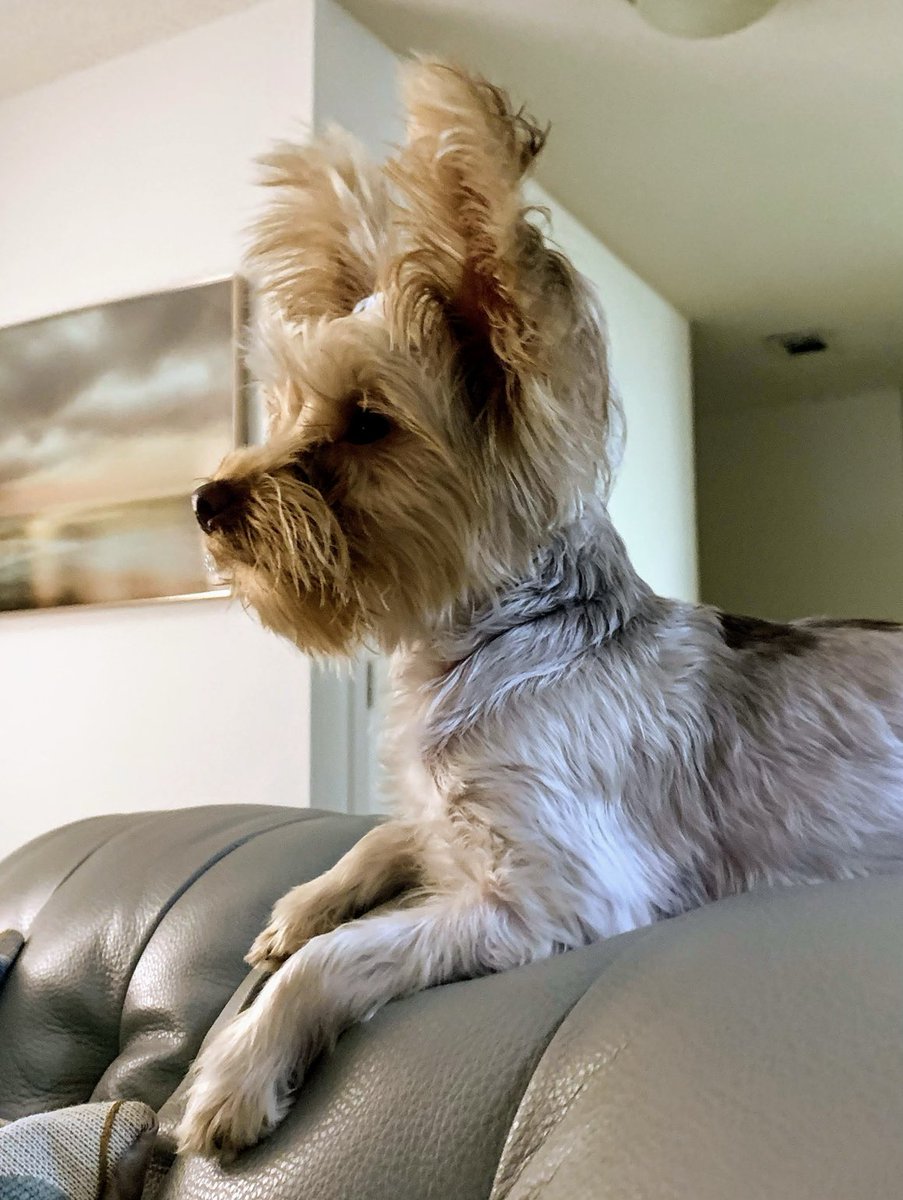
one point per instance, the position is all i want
(702, 18)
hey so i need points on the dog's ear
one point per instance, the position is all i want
(468, 252)
(315, 248)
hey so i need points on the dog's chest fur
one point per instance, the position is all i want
(504, 744)
(599, 757)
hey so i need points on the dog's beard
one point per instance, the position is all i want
(381, 558)
(288, 559)
(315, 623)
(382, 580)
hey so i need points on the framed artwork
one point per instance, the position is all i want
(109, 417)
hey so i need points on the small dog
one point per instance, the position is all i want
(573, 755)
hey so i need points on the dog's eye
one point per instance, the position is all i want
(366, 426)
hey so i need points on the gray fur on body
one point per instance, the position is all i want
(733, 752)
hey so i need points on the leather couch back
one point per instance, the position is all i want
(137, 926)
(752, 1049)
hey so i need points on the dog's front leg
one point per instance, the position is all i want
(382, 864)
(243, 1080)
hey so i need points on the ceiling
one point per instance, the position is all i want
(41, 40)
(755, 179)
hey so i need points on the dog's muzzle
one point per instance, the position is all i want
(216, 504)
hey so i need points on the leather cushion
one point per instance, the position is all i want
(68, 1007)
(416, 1103)
(752, 1049)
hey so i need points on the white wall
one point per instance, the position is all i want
(138, 173)
(129, 177)
(801, 507)
(355, 81)
(653, 504)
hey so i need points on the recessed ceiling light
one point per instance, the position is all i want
(798, 344)
(702, 18)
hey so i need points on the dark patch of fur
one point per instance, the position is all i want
(855, 623)
(483, 376)
(767, 638)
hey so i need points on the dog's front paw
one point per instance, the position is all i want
(272, 947)
(233, 1101)
(300, 915)
(221, 1124)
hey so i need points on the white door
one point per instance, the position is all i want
(345, 712)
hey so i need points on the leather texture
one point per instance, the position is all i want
(136, 944)
(414, 1105)
(753, 1049)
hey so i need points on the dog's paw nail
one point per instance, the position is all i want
(264, 953)
(263, 964)
(273, 946)
(227, 1125)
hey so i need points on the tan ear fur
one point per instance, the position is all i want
(461, 220)
(316, 247)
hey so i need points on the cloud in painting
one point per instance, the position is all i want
(23, 453)
(151, 365)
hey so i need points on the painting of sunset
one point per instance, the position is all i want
(108, 419)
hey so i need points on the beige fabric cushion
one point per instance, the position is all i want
(88, 1152)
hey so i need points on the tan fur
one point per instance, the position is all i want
(474, 302)
(461, 215)
(316, 247)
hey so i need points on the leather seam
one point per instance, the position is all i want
(172, 900)
(196, 875)
(86, 857)
(177, 895)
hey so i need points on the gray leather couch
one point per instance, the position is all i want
(753, 1049)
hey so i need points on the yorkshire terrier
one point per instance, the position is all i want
(573, 755)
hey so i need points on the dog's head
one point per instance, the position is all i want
(435, 376)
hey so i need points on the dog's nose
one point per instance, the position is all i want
(215, 503)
